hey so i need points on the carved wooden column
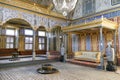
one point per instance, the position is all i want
(69, 44)
(82, 41)
(3, 39)
(21, 42)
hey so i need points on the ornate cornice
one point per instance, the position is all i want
(31, 8)
(103, 22)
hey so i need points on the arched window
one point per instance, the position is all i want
(42, 38)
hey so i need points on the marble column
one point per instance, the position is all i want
(101, 48)
(34, 37)
(47, 52)
(115, 46)
(17, 39)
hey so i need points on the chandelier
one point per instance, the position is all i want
(64, 6)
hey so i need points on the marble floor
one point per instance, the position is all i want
(21, 59)
(67, 71)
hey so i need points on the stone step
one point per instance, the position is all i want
(23, 63)
(84, 63)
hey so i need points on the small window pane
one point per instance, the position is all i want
(28, 32)
(26, 40)
(41, 46)
(30, 46)
(11, 39)
(43, 40)
(31, 40)
(41, 33)
(10, 32)
(26, 46)
(7, 45)
(8, 39)
(40, 41)
(11, 45)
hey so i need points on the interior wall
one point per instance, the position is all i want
(100, 5)
(75, 43)
(93, 40)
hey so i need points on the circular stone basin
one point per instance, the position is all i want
(47, 69)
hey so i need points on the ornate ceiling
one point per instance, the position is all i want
(41, 3)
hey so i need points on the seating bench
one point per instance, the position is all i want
(88, 56)
(7, 52)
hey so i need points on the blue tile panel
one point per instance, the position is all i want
(88, 42)
(107, 15)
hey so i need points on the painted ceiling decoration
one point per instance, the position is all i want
(61, 6)
(42, 3)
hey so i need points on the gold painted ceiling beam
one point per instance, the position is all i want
(31, 7)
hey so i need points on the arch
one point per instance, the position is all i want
(42, 28)
(17, 21)
(56, 28)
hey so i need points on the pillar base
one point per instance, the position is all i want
(100, 67)
(33, 56)
(48, 55)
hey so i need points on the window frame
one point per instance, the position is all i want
(10, 36)
(28, 43)
(40, 43)
(115, 2)
(85, 11)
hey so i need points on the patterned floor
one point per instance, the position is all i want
(66, 72)
(22, 59)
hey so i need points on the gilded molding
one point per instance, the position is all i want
(19, 3)
(96, 23)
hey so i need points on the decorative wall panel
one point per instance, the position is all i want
(88, 7)
(94, 42)
(109, 36)
(114, 2)
(83, 42)
(100, 5)
(74, 43)
(88, 42)
(107, 15)
(78, 10)
(103, 5)
(32, 19)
